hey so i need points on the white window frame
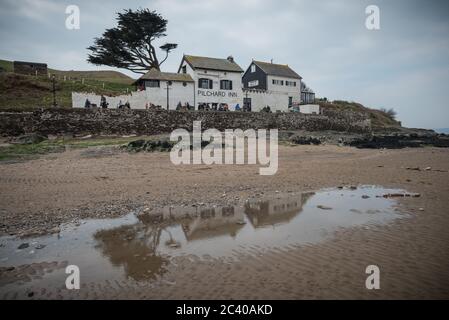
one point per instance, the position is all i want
(253, 83)
(253, 68)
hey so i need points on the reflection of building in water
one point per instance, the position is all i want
(214, 222)
(275, 211)
(134, 248)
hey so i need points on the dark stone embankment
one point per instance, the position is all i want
(146, 122)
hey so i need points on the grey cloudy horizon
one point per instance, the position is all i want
(404, 65)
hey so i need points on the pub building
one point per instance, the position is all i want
(205, 83)
(217, 82)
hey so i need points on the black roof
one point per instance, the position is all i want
(280, 70)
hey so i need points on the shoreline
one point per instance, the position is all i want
(412, 252)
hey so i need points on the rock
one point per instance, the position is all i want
(136, 145)
(30, 138)
(40, 246)
(305, 140)
(240, 222)
(421, 209)
(23, 246)
(30, 294)
(365, 196)
(353, 187)
(393, 195)
(413, 168)
(401, 195)
(401, 139)
(55, 230)
(10, 268)
(428, 168)
(323, 207)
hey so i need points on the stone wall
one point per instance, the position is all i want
(98, 121)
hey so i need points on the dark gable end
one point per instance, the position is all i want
(259, 75)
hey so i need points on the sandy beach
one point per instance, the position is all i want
(42, 196)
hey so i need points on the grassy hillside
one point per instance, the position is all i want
(378, 118)
(6, 65)
(29, 92)
(107, 76)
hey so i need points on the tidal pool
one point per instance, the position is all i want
(139, 246)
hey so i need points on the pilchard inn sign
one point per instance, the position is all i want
(210, 93)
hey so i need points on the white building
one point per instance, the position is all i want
(215, 84)
(271, 85)
(167, 89)
(218, 82)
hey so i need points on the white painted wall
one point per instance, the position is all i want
(215, 95)
(139, 99)
(277, 101)
(294, 92)
(309, 108)
(177, 93)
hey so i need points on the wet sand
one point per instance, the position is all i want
(412, 253)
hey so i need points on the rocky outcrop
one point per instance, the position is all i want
(398, 139)
(401, 140)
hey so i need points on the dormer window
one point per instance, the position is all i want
(184, 69)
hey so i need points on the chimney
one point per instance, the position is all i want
(231, 59)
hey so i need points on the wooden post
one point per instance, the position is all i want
(54, 91)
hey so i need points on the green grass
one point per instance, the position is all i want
(25, 92)
(6, 65)
(28, 92)
(101, 76)
(31, 151)
(379, 119)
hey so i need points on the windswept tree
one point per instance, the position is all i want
(130, 45)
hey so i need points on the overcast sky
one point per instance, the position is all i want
(404, 65)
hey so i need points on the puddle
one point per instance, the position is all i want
(138, 247)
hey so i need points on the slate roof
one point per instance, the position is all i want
(280, 70)
(154, 74)
(197, 62)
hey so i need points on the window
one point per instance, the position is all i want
(204, 83)
(290, 83)
(152, 84)
(253, 68)
(290, 102)
(253, 83)
(184, 69)
(184, 84)
(226, 85)
(278, 82)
